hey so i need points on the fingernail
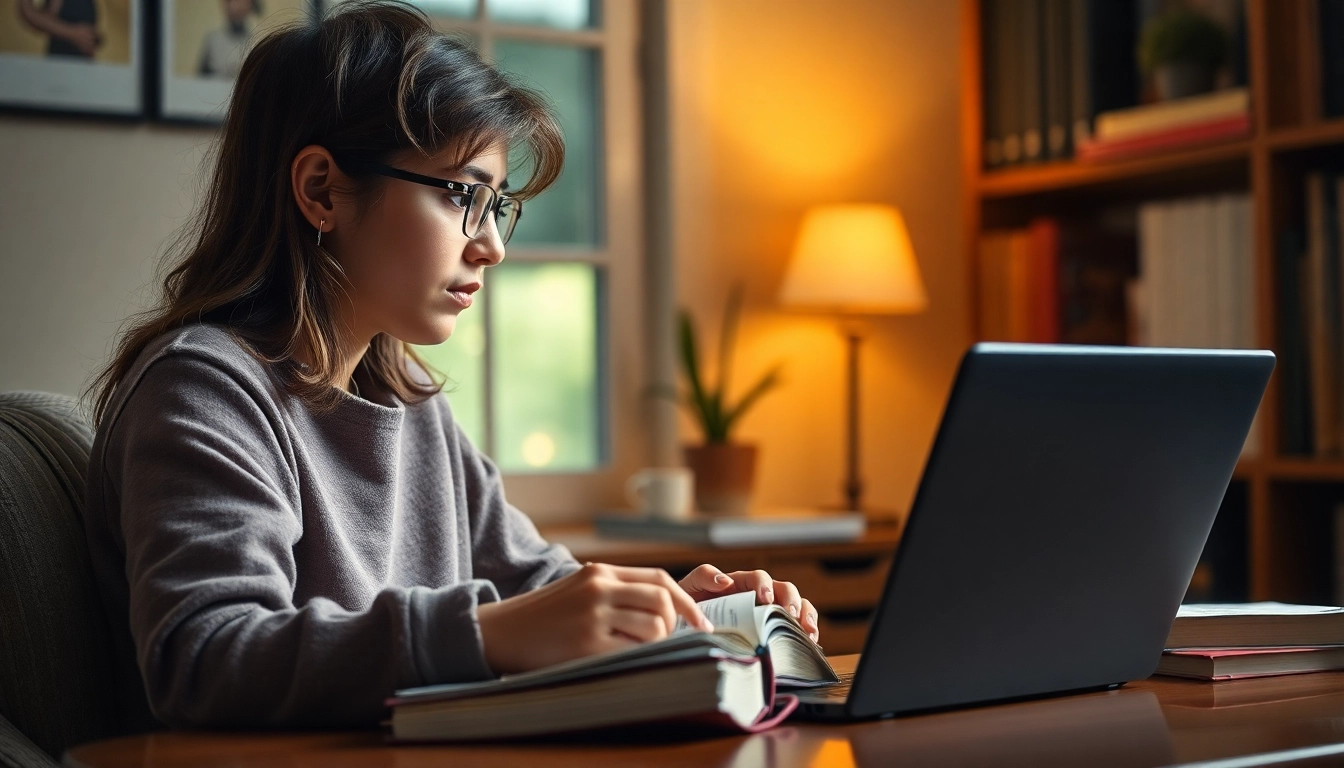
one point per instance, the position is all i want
(812, 619)
(812, 636)
(767, 596)
(721, 579)
(793, 611)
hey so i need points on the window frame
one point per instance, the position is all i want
(554, 497)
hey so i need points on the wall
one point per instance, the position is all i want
(783, 104)
(86, 207)
(853, 100)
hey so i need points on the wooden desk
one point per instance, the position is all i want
(1160, 721)
(843, 580)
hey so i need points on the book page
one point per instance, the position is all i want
(729, 613)
(1252, 609)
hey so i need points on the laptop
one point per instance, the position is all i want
(1063, 508)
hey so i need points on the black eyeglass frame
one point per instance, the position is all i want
(454, 186)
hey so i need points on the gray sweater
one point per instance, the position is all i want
(273, 566)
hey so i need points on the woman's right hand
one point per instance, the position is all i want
(596, 609)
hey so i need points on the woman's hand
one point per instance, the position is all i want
(598, 608)
(706, 582)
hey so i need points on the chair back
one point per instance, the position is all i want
(57, 672)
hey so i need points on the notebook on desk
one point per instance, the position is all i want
(1061, 513)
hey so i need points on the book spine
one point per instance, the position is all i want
(1080, 103)
(1320, 335)
(989, 87)
(1044, 302)
(1223, 129)
(1033, 79)
(1150, 265)
(1020, 293)
(1009, 20)
(1056, 26)
(1288, 265)
(1335, 245)
(993, 299)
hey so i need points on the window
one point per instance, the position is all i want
(545, 370)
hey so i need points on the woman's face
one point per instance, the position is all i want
(410, 268)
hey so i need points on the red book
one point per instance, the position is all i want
(1045, 280)
(1143, 144)
(1233, 663)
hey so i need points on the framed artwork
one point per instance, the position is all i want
(202, 44)
(83, 56)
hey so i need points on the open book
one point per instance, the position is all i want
(741, 626)
(723, 679)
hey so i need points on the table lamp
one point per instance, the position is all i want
(854, 259)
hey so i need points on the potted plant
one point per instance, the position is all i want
(1183, 50)
(724, 470)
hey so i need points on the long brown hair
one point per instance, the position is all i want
(370, 78)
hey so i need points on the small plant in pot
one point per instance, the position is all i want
(724, 470)
(1182, 49)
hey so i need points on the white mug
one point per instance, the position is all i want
(663, 492)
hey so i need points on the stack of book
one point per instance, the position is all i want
(1167, 125)
(1310, 268)
(1227, 642)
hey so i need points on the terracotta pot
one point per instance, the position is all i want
(724, 475)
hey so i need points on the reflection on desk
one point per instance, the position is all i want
(1160, 721)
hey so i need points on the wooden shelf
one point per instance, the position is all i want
(1306, 469)
(1222, 164)
(1324, 134)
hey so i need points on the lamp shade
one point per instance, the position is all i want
(854, 258)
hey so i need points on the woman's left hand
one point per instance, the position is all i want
(707, 582)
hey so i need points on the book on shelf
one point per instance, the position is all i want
(1162, 116)
(1310, 267)
(1196, 285)
(1234, 663)
(1219, 129)
(1050, 69)
(802, 526)
(1247, 625)
(1019, 283)
(724, 680)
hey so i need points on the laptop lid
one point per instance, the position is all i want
(1063, 508)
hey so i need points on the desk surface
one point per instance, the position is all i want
(1160, 721)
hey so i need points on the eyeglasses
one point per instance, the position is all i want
(476, 200)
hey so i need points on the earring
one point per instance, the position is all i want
(319, 232)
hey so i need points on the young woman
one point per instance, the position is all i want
(286, 522)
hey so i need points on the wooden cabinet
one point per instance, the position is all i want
(843, 581)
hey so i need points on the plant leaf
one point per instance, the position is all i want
(691, 364)
(767, 382)
(732, 312)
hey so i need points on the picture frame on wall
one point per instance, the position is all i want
(201, 46)
(78, 56)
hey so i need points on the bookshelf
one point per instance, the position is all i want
(1287, 501)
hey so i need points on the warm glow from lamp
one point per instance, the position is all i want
(854, 258)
